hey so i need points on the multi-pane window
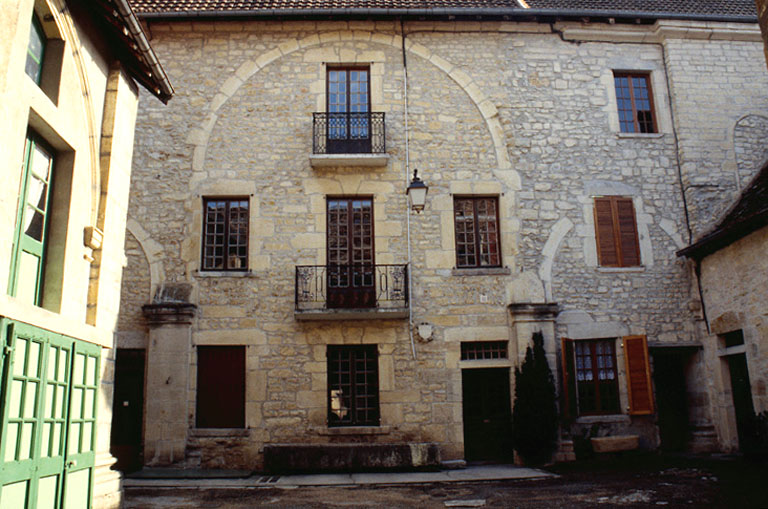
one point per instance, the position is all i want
(481, 350)
(350, 253)
(353, 385)
(476, 220)
(597, 383)
(225, 234)
(32, 217)
(616, 232)
(634, 100)
(348, 102)
(220, 387)
(35, 50)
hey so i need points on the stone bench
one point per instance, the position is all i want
(616, 443)
(346, 457)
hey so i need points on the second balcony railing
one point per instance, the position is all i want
(348, 133)
(336, 287)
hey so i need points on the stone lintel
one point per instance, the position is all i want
(534, 311)
(169, 313)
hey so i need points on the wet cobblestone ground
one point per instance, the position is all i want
(636, 481)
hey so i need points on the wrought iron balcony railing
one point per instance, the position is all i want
(327, 287)
(348, 133)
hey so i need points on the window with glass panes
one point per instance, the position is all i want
(634, 100)
(353, 385)
(32, 217)
(225, 234)
(35, 50)
(597, 384)
(476, 221)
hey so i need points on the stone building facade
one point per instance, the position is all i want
(69, 98)
(513, 122)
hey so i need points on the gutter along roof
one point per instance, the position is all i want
(748, 214)
(711, 10)
(129, 42)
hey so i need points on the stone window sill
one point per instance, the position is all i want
(599, 419)
(354, 430)
(218, 432)
(640, 135)
(491, 271)
(223, 273)
(609, 270)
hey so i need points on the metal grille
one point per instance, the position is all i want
(390, 285)
(477, 232)
(353, 385)
(348, 133)
(635, 103)
(225, 234)
(480, 350)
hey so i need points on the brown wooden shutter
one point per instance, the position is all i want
(568, 394)
(627, 233)
(607, 251)
(220, 387)
(638, 375)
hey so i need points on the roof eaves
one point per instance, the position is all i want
(511, 12)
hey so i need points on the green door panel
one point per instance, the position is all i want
(49, 390)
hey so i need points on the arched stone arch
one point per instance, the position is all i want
(750, 149)
(64, 22)
(153, 251)
(199, 137)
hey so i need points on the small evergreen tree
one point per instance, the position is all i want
(534, 417)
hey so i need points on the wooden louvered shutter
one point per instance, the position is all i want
(606, 243)
(627, 232)
(638, 375)
(568, 394)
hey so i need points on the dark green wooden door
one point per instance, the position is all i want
(49, 386)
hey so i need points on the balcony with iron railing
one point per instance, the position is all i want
(351, 292)
(348, 139)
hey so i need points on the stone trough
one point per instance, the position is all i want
(351, 457)
(616, 443)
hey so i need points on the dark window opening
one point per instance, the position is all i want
(353, 385)
(476, 223)
(225, 234)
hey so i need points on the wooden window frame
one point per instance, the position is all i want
(630, 75)
(476, 241)
(23, 243)
(226, 264)
(36, 28)
(601, 405)
(347, 69)
(212, 410)
(484, 350)
(367, 391)
(623, 257)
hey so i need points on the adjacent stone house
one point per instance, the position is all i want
(280, 289)
(730, 265)
(68, 103)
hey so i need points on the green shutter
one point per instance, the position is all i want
(30, 236)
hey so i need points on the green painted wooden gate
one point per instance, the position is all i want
(48, 402)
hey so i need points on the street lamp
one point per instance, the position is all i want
(417, 193)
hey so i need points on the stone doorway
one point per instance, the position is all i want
(128, 409)
(487, 413)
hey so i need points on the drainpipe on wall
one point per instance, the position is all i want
(407, 207)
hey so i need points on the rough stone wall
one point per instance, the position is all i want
(496, 109)
(735, 280)
(135, 289)
(714, 86)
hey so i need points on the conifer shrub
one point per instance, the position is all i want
(534, 417)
